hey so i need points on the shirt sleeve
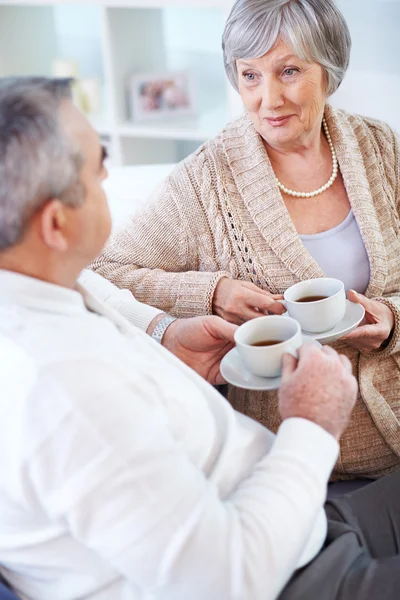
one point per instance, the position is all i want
(122, 300)
(127, 489)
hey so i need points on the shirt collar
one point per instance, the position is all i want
(30, 292)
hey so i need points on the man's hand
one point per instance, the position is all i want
(376, 327)
(239, 301)
(201, 343)
(319, 387)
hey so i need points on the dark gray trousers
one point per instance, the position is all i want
(361, 556)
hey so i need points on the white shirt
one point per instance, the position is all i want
(121, 300)
(125, 476)
(341, 253)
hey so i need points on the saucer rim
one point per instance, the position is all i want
(325, 336)
(254, 387)
(257, 387)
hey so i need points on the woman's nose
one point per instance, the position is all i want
(272, 95)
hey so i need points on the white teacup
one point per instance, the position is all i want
(266, 361)
(318, 315)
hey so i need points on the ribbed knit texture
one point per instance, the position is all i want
(220, 213)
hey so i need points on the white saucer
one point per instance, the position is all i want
(233, 371)
(353, 317)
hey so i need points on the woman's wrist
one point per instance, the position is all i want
(389, 345)
(220, 293)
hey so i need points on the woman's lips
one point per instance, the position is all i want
(279, 121)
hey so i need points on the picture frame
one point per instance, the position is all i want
(155, 96)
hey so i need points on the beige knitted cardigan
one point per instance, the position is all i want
(220, 214)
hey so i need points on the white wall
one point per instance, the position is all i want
(78, 31)
(27, 40)
(372, 83)
(193, 43)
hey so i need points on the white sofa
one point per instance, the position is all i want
(127, 188)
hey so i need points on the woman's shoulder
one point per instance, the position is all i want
(363, 126)
(376, 139)
(210, 154)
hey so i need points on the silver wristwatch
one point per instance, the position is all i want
(161, 328)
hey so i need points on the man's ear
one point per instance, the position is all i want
(53, 226)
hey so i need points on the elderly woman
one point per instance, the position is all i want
(292, 190)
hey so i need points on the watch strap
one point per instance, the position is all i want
(161, 328)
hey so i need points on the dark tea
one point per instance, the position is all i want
(267, 343)
(311, 298)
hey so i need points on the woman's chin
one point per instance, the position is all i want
(279, 136)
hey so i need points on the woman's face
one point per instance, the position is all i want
(284, 96)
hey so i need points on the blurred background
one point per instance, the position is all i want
(125, 54)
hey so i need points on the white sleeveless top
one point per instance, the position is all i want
(340, 252)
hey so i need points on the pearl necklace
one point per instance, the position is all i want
(331, 180)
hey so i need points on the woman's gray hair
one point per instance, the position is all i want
(37, 159)
(315, 30)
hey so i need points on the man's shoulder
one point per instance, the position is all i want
(44, 341)
(81, 370)
(18, 370)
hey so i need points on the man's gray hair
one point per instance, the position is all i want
(37, 159)
(315, 30)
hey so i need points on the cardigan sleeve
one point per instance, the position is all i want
(392, 168)
(156, 256)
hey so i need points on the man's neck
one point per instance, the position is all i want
(44, 268)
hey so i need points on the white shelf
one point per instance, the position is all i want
(184, 131)
(127, 37)
(198, 128)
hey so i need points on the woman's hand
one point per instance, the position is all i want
(239, 301)
(376, 327)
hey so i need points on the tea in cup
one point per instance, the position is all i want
(317, 304)
(262, 342)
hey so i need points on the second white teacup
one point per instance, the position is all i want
(317, 304)
(266, 360)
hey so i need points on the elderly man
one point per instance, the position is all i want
(124, 474)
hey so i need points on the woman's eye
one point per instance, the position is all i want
(290, 72)
(249, 76)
